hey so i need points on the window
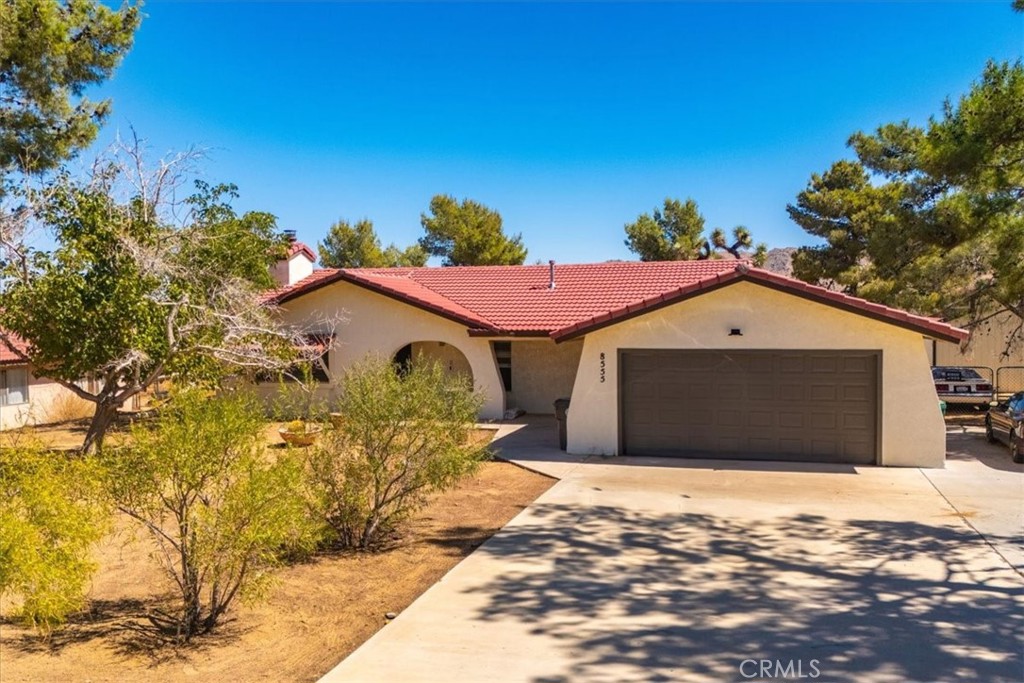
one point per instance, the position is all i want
(503, 356)
(13, 386)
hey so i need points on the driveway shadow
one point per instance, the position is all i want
(972, 445)
(658, 597)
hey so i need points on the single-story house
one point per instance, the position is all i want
(25, 397)
(711, 358)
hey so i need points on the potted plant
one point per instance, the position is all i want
(299, 433)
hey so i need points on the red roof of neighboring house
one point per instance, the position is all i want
(516, 300)
(12, 349)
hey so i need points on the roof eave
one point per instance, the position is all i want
(341, 276)
(940, 331)
(534, 334)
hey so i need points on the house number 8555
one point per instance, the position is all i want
(602, 366)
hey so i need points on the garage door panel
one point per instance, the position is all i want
(788, 391)
(727, 391)
(823, 420)
(758, 365)
(823, 364)
(791, 365)
(799, 405)
(856, 421)
(857, 392)
(789, 419)
(825, 447)
(760, 391)
(857, 364)
(729, 418)
(823, 392)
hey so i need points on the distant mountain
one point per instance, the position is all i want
(780, 261)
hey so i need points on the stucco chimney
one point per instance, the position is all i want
(296, 264)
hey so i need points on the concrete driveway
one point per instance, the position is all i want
(643, 569)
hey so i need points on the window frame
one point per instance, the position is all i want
(5, 373)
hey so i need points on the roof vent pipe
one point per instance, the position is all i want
(551, 274)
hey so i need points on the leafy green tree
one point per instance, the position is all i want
(411, 256)
(468, 234)
(404, 435)
(676, 233)
(128, 296)
(222, 510)
(357, 246)
(52, 514)
(929, 219)
(673, 234)
(50, 51)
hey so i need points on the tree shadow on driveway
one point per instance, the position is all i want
(631, 595)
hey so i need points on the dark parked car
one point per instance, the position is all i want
(962, 386)
(1005, 422)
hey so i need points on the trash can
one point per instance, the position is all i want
(561, 408)
(942, 407)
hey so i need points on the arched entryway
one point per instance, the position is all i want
(450, 358)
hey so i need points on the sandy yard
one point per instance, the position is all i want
(317, 613)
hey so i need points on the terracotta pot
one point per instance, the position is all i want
(307, 438)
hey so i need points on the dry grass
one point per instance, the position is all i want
(67, 407)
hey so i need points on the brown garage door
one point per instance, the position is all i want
(761, 405)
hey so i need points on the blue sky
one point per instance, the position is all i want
(569, 118)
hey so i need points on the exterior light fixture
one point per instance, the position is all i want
(735, 332)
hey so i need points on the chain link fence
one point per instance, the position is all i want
(966, 389)
(1009, 380)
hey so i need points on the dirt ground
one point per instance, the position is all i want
(317, 613)
(61, 437)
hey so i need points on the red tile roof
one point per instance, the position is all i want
(516, 300)
(301, 248)
(12, 349)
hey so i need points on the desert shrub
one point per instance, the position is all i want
(222, 509)
(298, 401)
(402, 437)
(52, 513)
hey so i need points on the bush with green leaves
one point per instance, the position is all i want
(52, 514)
(222, 509)
(403, 436)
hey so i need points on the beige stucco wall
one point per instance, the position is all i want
(47, 402)
(911, 426)
(370, 323)
(541, 372)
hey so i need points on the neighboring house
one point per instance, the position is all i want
(702, 358)
(26, 398)
(987, 351)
